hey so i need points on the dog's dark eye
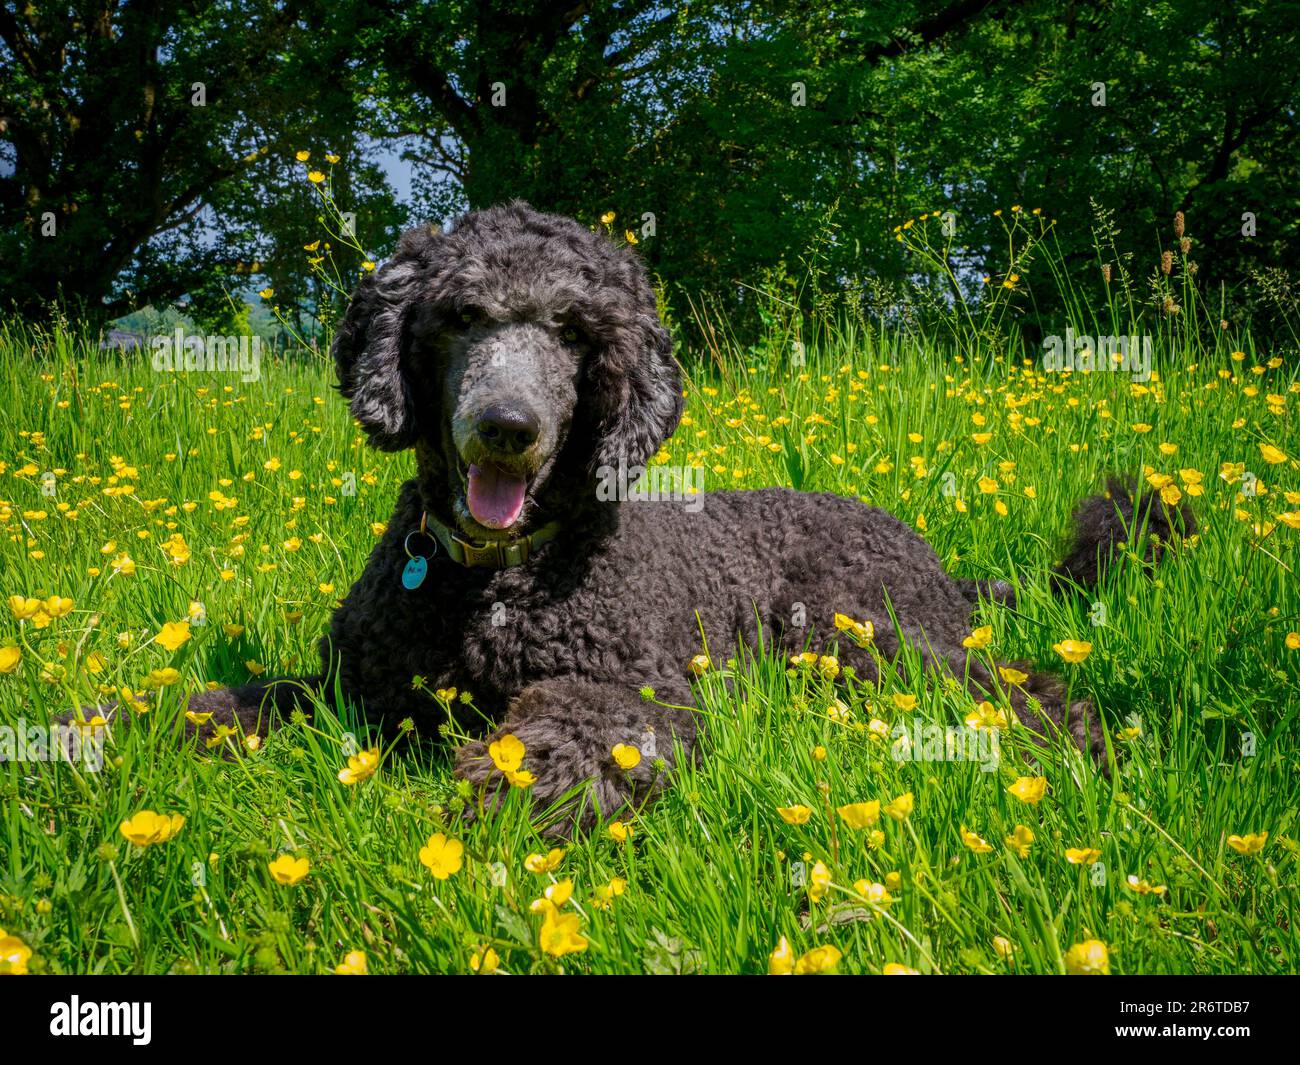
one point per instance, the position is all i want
(570, 335)
(471, 316)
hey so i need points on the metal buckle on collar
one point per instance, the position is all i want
(499, 554)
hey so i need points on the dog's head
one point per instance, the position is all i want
(519, 353)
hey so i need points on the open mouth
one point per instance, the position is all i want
(494, 495)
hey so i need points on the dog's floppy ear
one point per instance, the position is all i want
(370, 347)
(638, 391)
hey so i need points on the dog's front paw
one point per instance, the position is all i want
(561, 744)
(546, 760)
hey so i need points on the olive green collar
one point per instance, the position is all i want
(489, 554)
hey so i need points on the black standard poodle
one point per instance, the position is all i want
(521, 356)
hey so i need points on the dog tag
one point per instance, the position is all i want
(414, 572)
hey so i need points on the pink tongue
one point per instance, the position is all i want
(495, 497)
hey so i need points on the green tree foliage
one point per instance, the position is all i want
(147, 150)
(763, 137)
(740, 143)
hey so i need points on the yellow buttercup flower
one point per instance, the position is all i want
(219, 736)
(22, 607)
(14, 955)
(163, 678)
(699, 665)
(1089, 958)
(794, 815)
(1272, 455)
(442, 856)
(875, 894)
(859, 814)
(353, 964)
(1144, 887)
(174, 547)
(818, 960)
(977, 844)
(893, 968)
(520, 778)
(288, 870)
(819, 882)
(133, 699)
(1251, 843)
(619, 831)
(607, 893)
(1029, 789)
(781, 961)
(904, 702)
(173, 634)
(361, 766)
(147, 828)
(901, 808)
(627, 756)
(486, 962)
(1232, 472)
(986, 716)
(862, 632)
(56, 606)
(1081, 855)
(979, 639)
(559, 934)
(548, 863)
(559, 893)
(9, 658)
(507, 752)
(1073, 651)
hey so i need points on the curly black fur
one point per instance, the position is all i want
(535, 311)
(1121, 515)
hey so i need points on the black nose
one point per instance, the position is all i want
(511, 430)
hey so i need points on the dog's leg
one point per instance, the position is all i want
(250, 709)
(569, 729)
(1039, 702)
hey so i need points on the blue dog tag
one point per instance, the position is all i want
(414, 572)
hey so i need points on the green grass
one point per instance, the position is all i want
(1193, 654)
